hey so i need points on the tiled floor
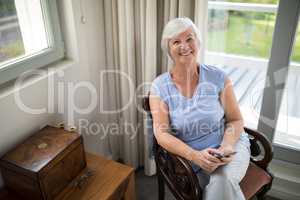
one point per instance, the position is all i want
(146, 188)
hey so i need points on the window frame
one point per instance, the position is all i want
(11, 69)
(282, 45)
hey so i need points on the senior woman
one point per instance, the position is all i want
(197, 103)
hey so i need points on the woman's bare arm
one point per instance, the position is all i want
(159, 111)
(234, 121)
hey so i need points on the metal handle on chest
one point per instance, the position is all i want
(83, 178)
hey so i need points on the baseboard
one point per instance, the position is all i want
(281, 193)
(286, 184)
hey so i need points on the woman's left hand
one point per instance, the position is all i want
(225, 150)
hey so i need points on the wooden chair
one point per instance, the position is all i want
(179, 176)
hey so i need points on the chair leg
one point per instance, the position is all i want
(261, 196)
(262, 193)
(161, 187)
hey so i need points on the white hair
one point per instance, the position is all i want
(175, 27)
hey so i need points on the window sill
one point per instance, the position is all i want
(287, 180)
(9, 88)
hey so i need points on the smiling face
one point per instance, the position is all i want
(184, 47)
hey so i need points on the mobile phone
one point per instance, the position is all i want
(220, 156)
(229, 154)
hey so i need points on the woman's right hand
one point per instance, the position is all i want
(205, 160)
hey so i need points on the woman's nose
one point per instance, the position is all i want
(184, 46)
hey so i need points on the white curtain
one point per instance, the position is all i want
(133, 31)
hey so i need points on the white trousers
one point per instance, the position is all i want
(223, 183)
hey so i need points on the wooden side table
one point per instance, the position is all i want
(109, 181)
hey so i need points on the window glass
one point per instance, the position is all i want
(22, 29)
(239, 40)
(288, 125)
(243, 33)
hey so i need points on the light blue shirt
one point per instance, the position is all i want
(199, 121)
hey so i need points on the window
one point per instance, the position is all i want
(29, 36)
(239, 40)
(257, 44)
(288, 125)
(252, 41)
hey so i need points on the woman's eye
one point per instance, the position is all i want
(189, 39)
(176, 42)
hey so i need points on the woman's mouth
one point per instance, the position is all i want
(185, 53)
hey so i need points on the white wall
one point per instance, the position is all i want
(85, 52)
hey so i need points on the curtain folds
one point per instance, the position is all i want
(134, 58)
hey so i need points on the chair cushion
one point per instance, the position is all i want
(254, 179)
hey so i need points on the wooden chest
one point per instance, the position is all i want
(44, 164)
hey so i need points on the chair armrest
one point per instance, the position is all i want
(178, 174)
(261, 148)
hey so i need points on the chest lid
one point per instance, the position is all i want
(39, 149)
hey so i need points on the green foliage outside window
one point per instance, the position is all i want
(245, 33)
(7, 8)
